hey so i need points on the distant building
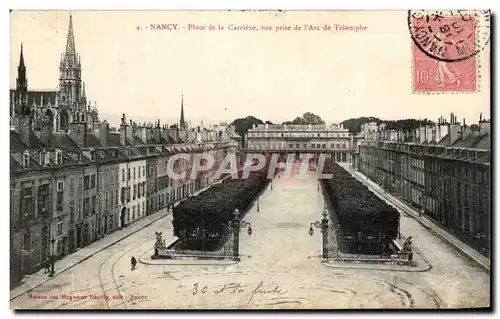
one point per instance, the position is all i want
(444, 170)
(332, 139)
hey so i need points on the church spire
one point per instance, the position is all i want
(21, 72)
(21, 58)
(70, 54)
(182, 123)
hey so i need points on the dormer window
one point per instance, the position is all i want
(26, 159)
(42, 158)
(47, 157)
(58, 157)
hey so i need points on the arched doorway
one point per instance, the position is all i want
(122, 217)
(64, 120)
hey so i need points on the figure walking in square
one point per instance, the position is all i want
(133, 262)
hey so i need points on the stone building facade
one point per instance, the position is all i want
(332, 139)
(443, 170)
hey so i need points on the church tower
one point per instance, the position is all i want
(71, 98)
(21, 93)
(182, 122)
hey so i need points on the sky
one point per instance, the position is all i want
(228, 74)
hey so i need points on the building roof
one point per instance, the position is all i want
(484, 142)
(474, 141)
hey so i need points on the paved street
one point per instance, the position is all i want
(280, 268)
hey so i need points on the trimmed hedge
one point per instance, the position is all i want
(213, 209)
(360, 212)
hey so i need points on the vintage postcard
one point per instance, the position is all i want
(250, 159)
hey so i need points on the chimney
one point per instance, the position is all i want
(104, 133)
(123, 131)
(78, 133)
(143, 134)
(455, 132)
(480, 117)
(157, 134)
(484, 127)
(267, 126)
(44, 133)
(253, 126)
(285, 127)
(451, 118)
(23, 128)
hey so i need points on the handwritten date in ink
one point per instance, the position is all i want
(237, 288)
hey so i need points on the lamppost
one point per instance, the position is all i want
(51, 274)
(323, 224)
(421, 207)
(237, 224)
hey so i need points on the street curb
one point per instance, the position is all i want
(347, 266)
(90, 256)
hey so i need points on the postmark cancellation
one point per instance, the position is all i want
(446, 50)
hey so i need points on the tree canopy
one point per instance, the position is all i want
(242, 125)
(307, 118)
(354, 124)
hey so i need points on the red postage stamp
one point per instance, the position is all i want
(444, 51)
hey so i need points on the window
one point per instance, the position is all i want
(59, 200)
(58, 157)
(71, 212)
(27, 241)
(86, 182)
(92, 181)
(43, 200)
(128, 175)
(72, 185)
(86, 206)
(93, 203)
(26, 159)
(27, 205)
(324, 146)
(116, 198)
(135, 191)
(60, 186)
(123, 175)
(106, 200)
(42, 159)
(59, 228)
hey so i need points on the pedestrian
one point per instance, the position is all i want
(47, 265)
(133, 262)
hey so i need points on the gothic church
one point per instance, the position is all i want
(57, 109)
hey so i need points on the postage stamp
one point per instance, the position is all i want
(445, 50)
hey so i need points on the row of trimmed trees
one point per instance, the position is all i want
(203, 221)
(363, 216)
